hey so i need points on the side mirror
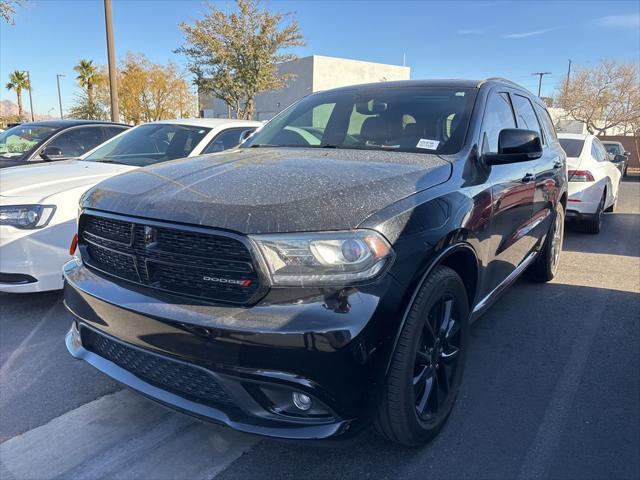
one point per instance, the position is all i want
(627, 154)
(515, 145)
(51, 153)
(619, 159)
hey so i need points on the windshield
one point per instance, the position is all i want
(150, 143)
(613, 148)
(17, 141)
(572, 146)
(407, 119)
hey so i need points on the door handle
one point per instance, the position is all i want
(528, 177)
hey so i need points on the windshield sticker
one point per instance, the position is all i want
(428, 144)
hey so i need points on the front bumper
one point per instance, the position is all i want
(34, 255)
(321, 344)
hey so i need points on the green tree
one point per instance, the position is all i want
(87, 77)
(234, 56)
(18, 81)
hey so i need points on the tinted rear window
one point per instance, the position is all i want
(572, 146)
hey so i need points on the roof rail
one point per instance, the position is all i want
(503, 80)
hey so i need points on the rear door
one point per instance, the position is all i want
(546, 167)
(605, 168)
(513, 188)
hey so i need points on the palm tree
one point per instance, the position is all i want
(87, 77)
(18, 81)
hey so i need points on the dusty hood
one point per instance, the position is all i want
(271, 189)
(45, 179)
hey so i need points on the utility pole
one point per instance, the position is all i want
(113, 78)
(568, 76)
(541, 74)
(33, 117)
(59, 96)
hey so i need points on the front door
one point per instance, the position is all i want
(513, 189)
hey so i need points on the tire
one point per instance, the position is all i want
(545, 266)
(612, 207)
(436, 373)
(594, 225)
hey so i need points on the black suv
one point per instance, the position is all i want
(324, 274)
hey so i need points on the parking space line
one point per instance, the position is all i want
(122, 435)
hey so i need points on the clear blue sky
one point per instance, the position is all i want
(473, 39)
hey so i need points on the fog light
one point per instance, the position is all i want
(301, 401)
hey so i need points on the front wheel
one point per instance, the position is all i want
(545, 267)
(427, 364)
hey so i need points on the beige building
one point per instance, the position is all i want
(312, 74)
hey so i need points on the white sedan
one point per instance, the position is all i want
(593, 180)
(39, 203)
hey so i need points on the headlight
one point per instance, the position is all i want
(26, 216)
(327, 258)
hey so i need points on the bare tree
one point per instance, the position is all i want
(603, 97)
(8, 9)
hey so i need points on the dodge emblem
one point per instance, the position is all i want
(149, 235)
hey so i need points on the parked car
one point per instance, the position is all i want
(39, 203)
(620, 157)
(593, 180)
(302, 290)
(50, 140)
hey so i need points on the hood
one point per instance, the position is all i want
(271, 189)
(45, 179)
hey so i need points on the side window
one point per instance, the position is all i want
(498, 115)
(226, 139)
(598, 151)
(113, 131)
(525, 114)
(77, 141)
(547, 123)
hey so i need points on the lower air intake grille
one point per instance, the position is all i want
(187, 381)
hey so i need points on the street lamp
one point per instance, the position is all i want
(59, 96)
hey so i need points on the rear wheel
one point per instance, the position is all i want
(426, 368)
(546, 264)
(594, 225)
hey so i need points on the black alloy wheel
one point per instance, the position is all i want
(437, 360)
(425, 371)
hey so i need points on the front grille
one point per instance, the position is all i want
(211, 266)
(185, 380)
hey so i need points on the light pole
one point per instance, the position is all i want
(541, 74)
(59, 96)
(113, 78)
(33, 117)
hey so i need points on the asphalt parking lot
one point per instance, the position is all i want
(551, 390)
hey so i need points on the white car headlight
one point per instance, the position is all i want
(26, 216)
(324, 258)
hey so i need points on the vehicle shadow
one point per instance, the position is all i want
(528, 358)
(619, 236)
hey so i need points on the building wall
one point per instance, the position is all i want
(331, 72)
(311, 74)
